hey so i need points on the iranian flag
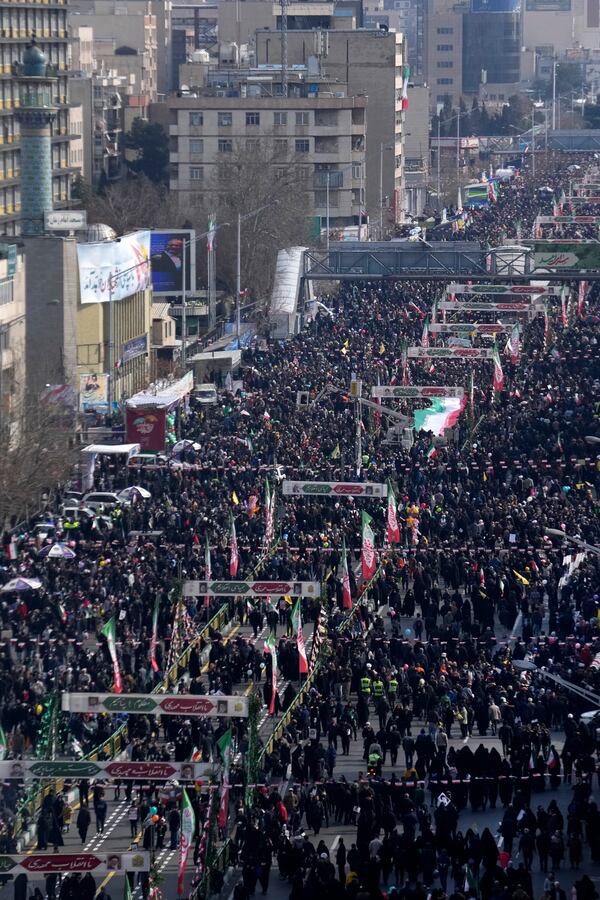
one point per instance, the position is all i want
(109, 633)
(297, 626)
(224, 745)
(368, 548)
(393, 531)
(425, 335)
(234, 558)
(3, 744)
(207, 568)
(186, 837)
(513, 344)
(405, 95)
(272, 649)
(346, 592)
(498, 373)
(154, 639)
(563, 306)
(443, 413)
(269, 505)
(581, 297)
(492, 192)
(472, 396)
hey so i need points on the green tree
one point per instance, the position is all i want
(150, 144)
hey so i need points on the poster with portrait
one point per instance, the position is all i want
(167, 253)
(93, 392)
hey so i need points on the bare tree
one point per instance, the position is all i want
(131, 204)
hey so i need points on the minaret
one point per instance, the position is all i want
(36, 113)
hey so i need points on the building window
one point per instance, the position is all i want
(196, 173)
(280, 118)
(445, 64)
(252, 144)
(445, 31)
(302, 146)
(281, 147)
(225, 146)
(224, 119)
(445, 81)
(252, 118)
(356, 170)
(196, 118)
(196, 147)
(445, 47)
(301, 118)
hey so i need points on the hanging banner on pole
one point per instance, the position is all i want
(413, 391)
(567, 220)
(252, 588)
(507, 290)
(156, 704)
(64, 768)
(470, 328)
(334, 488)
(557, 255)
(450, 353)
(42, 864)
(482, 306)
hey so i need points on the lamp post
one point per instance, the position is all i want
(238, 270)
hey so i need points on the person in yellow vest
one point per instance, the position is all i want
(392, 688)
(378, 688)
(365, 687)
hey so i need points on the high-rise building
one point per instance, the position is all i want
(19, 22)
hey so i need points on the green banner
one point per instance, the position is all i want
(581, 255)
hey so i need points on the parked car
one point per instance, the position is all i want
(103, 500)
(147, 461)
(205, 393)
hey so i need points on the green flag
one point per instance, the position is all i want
(3, 744)
(109, 633)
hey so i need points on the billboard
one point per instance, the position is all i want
(93, 392)
(147, 426)
(581, 255)
(41, 864)
(113, 270)
(167, 252)
(548, 5)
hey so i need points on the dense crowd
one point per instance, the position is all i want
(428, 659)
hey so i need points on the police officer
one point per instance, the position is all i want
(378, 688)
(365, 686)
(392, 688)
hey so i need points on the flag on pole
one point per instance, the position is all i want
(62, 611)
(346, 592)
(269, 504)
(425, 335)
(546, 328)
(3, 744)
(581, 297)
(297, 626)
(272, 649)
(513, 344)
(432, 452)
(368, 547)
(405, 94)
(563, 306)
(212, 231)
(154, 639)
(498, 373)
(234, 558)
(109, 633)
(224, 745)
(127, 895)
(559, 444)
(207, 568)
(472, 396)
(393, 531)
(186, 837)
(492, 192)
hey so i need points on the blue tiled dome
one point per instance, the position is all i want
(34, 61)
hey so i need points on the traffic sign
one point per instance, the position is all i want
(414, 391)
(251, 588)
(157, 704)
(334, 488)
(42, 864)
(450, 353)
(84, 768)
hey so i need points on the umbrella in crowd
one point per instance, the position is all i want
(57, 551)
(18, 585)
(135, 491)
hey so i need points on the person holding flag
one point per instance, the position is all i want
(186, 838)
(297, 626)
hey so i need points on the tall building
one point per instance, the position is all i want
(19, 22)
(371, 63)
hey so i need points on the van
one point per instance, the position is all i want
(205, 393)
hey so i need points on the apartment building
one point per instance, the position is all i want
(322, 132)
(12, 332)
(371, 66)
(19, 22)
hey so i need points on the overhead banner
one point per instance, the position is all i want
(65, 768)
(251, 589)
(167, 250)
(567, 220)
(42, 864)
(582, 255)
(156, 704)
(583, 200)
(112, 270)
(450, 353)
(508, 290)
(482, 306)
(334, 488)
(469, 328)
(410, 391)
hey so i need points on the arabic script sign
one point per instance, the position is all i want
(335, 488)
(157, 704)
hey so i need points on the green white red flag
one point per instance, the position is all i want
(224, 745)
(234, 559)
(207, 568)
(109, 633)
(369, 564)
(154, 639)
(346, 592)
(297, 626)
(393, 531)
(186, 838)
(498, 373)
(271, 648)
(3, 744)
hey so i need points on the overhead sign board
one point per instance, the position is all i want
(42, 864)
(157, 704)
(469, 328)
(251, 588)
(450, 353)
(410, 391)
(65, 219)
(557, 255)
(533, 290)
(334, 489)
(568, 220)
(482, 306)
(84, 768)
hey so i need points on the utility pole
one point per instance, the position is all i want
(327, 211)
(284, 49)
(381, 192)
(439, 156)
(183, 305)
(554, 95)
(238, 279)
(533, 140)
(458, 150)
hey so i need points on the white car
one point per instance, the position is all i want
(205, 393)
(103, 500)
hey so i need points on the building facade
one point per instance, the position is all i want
(12, 333)
(322, 134)
(19, 22)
